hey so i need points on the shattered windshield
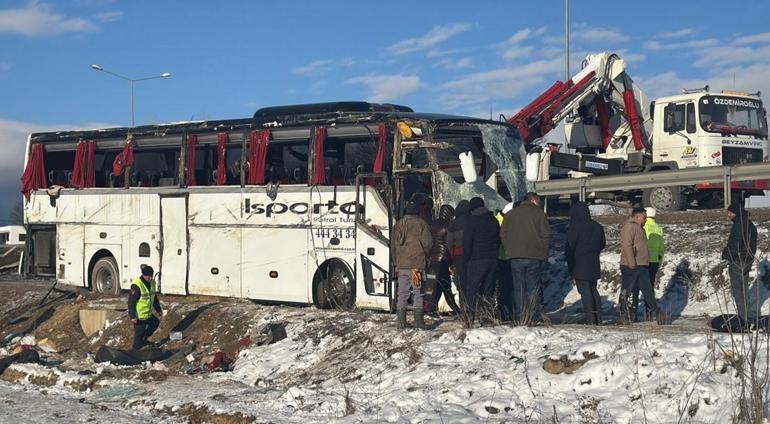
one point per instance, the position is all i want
(504, 153)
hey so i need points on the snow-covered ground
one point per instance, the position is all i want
(357, 367)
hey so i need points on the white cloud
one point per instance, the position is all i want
(746, 78)
(601, 35)
(756, 38)
(40, 20)
(731, 55)
(684, 32)
(314, 67)
(108, 17)
(462, 63)
(513, 47)
(438, 34)
(503, 83)
(386, 88)
(440, 53)
(656, 46)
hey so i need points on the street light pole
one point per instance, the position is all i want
(566, 41)
(131, 82)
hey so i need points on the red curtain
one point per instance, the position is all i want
(192, 141)
(222, 139)
(319, 173)
(379, 159)
(124, 159)
(78, 169)
(259, 142)
(83, 173)
(34, 176)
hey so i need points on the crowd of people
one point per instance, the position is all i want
(496, 260)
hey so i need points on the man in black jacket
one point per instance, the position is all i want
(438, 267)
(739, 253)
(481, 244)
(585, 242)
(454, 240)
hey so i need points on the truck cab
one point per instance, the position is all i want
(709, 129)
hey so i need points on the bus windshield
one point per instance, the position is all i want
(497, 150)
(732, 115)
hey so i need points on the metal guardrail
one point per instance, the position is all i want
(724, 175)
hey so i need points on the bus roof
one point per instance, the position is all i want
(272, 117)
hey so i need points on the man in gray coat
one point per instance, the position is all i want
(410, 245)
(634, 268)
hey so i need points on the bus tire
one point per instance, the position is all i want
(338, 285)
(664, 198)
(105, 277)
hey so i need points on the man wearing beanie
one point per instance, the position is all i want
(739, 254)
(655, 245)
(142, 299)
(410, 245)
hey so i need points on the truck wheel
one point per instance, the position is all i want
(338, 285)
(105, 277)
(664, 198)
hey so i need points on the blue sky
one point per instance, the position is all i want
(230, 58)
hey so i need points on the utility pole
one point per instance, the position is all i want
(566, 41)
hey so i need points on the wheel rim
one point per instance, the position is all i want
(339, 286)
(105, 280)
(662, 198)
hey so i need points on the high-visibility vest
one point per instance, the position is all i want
(146, 298)
(655, 240)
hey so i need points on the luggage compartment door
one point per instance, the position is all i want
(174, 247)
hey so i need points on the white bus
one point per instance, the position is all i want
(294, 205)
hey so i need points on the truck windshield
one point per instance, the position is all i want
(732, 115)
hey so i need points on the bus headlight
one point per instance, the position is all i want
(408, 131)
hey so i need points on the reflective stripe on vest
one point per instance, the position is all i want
(146, 298)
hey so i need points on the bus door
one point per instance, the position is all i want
(373, 285)
(174, 251)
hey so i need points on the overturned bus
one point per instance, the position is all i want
(294, 205)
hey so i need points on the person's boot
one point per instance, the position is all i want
(401, 314)
(419, 320)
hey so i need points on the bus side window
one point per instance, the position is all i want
(233, 164)
(295, 162)
(59, 167)
(144, 250)
(152, 168)
(204, 165)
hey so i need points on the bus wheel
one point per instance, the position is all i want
(664, 198)
(338, 285)
(105, 277)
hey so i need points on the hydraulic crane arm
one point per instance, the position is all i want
(599, 91)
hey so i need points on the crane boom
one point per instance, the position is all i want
(591, 99)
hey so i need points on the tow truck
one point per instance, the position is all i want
(611, 129)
